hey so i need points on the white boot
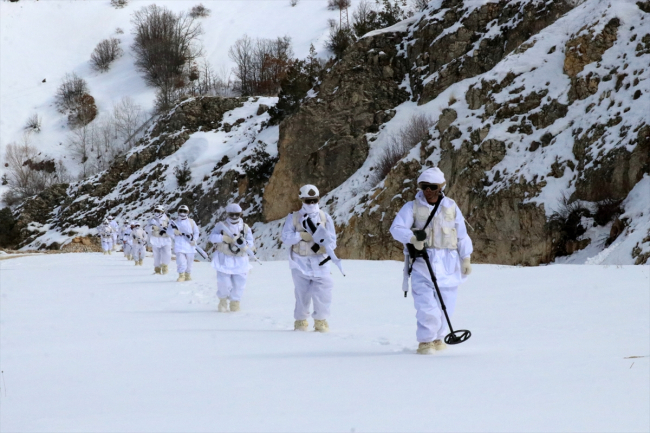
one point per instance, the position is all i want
(164, 269)
(223, 305)
(300, 325)
(321, 326)
(156, 270)
(181, 277)
(187, 276)
(439, 345)
(109, 252)
(426, 348)
(234, 306)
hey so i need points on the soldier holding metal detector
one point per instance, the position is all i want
(437, 250)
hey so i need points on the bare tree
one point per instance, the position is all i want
(242, 53)
(261, 64)
(164, 44)
(81, 142)
(105, 53)
(127, 117)
(29, 172)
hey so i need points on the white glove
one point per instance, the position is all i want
(306, 236)
(466, 266)
(177, 233)
(419, 245)
(227, 239)
(193, 243)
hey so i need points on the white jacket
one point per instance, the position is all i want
(105, 231)
(125, 235)
(139, 236)
(181, 243)
(228, 264)
(155, 239)
(445, 262)
(308, 265)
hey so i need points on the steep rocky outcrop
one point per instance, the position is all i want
(514, 139)
(325, 142)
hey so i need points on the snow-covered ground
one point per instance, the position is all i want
(92, 343)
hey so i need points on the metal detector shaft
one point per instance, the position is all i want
(425, 257)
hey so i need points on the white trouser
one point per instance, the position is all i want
(230, 286)
(432, 324)
(107, 244)
(312, 289)
(162, 255)
(138, 252)
(127, 249)
(184, 262)
(115, 239)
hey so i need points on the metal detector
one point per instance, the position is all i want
(454, 337)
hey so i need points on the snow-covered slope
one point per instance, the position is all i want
(47, 39)
(92, 343)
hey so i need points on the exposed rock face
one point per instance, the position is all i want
(325, 142)
(452, 45)
(507, 227)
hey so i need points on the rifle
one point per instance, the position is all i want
(198, 249)
(322, 238)
(239, 240)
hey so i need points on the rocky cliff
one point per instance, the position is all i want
(539, 118)
(539, 109)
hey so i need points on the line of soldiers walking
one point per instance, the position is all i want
(432, 224)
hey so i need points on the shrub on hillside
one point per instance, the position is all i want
(70, 91)
(338, 4)
(33, 123)
(9, 233)
(183, 174)
(566, 222)
(84, 112)
(415, 132)
(118, 4)
(301, 76)
(105, 53)
(339, 39)
(199, 11)
(367, 18)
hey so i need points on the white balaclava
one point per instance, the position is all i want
(233, 208)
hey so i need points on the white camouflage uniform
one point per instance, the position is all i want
(312, 283)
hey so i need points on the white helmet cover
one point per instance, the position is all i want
(309, 191)
(432, 175)
(110, 218)
(233, 208)
(159, 208)
(184, 208)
